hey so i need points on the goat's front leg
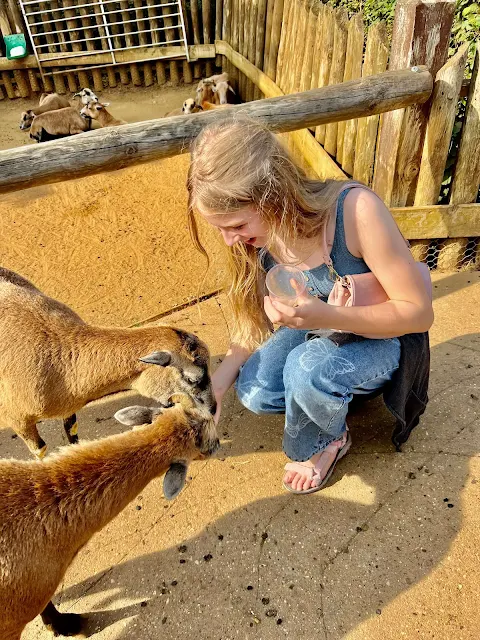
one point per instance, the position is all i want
(71, 428)
(62, 624)
(29, 433)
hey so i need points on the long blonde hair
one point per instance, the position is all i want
(237, 163)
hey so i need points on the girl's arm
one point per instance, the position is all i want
(226, 373)
(373, 235)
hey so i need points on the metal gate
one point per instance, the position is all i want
(66, 30)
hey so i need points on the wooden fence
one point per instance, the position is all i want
(305, 44)
(276, 47)
(21, 78)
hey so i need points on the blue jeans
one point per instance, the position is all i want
(312, 382)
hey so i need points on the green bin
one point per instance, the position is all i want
(16, 46)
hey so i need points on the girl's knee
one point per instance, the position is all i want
(317, 364)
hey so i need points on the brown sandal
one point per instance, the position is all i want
(341, 448)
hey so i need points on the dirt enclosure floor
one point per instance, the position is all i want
(115, 246)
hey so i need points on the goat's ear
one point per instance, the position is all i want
(174, 480)
(162, 358)
(137, 415)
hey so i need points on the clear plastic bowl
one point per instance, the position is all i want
(279, 283)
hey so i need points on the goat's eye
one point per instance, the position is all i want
(238, 227)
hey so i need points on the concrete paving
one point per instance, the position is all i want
(390, 549)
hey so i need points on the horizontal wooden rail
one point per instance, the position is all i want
(196, 52)
(438, 221)
(115, 148)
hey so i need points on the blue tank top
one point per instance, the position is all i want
(319, 281)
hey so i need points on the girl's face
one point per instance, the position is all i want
(244, 226)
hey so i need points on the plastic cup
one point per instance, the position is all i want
(280, 280)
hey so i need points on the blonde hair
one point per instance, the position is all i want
(238, 163)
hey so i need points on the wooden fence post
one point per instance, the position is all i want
(347, 131)
(421, 35)
(466, 179)
(376, 58)
(444, 103)
(337, 70)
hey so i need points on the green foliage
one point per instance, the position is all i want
(466, 25)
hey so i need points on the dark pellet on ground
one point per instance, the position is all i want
(249, 588)
(174, 583)
(446, 499)
(279, 621)
(208, 557)
(358, 529)
(412, 476)
(138, 507)
(378, 612)
(164, 619)
(296, 511)
(182, 548)
(220, 537)
(265, 601)
(264, 535)
(14, 435)
(144, 603)
(473, 396)
(182, 560)
(271, 613)
(290, 586)
(450, 505)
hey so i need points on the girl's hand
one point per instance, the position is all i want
(310, 312)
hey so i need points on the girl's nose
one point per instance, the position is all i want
(230, 238)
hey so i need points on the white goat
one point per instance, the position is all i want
(52, 363)
(86, 95)
(49, 510)
(189, 106)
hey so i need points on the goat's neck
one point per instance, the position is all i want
(105, 118)
(91, 483)
(108, 360)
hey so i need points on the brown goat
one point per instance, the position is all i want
(52, 363)
(209, 106)
(62, 122)
(47, 102)
(204, 91)
(97, 111)
(49, 510)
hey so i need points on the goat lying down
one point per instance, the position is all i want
(58, 123)
(49, 510)
(52, 363)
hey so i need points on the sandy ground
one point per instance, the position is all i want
(114, 246)
(389, 550)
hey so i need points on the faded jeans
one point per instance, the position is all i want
(312, 382)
